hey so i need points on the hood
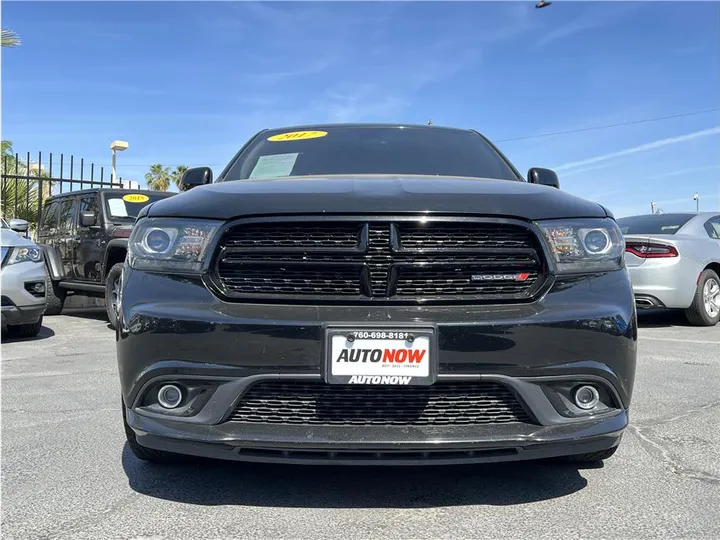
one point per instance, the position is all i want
(9, 238)
(375, 195)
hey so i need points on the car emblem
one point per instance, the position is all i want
(522, 276)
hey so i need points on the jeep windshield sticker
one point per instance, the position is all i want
(274, 165)
(136, 197)
(117, 207)
(297, 136)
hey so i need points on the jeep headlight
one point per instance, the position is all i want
(170, 245)
(584, 245)
(24, 254)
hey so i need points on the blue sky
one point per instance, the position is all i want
(189, 82)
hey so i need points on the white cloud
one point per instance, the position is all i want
(274, 77)
(595, 17)
(682, 172)
(642, 148)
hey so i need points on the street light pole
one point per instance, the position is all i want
(116, 146)
(696, 198)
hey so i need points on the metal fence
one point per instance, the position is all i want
(27, 183)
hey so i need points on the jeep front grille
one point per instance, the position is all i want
(379, 260)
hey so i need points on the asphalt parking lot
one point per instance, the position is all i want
(66, 471)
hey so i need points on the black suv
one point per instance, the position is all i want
(84, 235)
(375, 294)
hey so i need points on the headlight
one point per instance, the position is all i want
(25, 254)
(170, 245)
(584, 245)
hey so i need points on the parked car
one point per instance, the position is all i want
(674, 262)
(375, 294)
(84, 236)
(22, 281)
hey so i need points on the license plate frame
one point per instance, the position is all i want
(371, 374)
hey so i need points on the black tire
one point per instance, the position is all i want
(112, 283)
(697, 314)
(55, 297)
(146, 454)
(593, 457)
(25, 330)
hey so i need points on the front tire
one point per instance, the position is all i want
(705, 309)
(25, 330)
(55, 297)
(112, 291)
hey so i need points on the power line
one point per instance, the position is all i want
(607, 126)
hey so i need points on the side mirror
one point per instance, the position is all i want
(87, 219)
(544, 177)
(197, 176)
(18, 225)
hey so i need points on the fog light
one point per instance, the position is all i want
(39, 287)
(586, 397)
(169, 396)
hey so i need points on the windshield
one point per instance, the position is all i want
(354, 150)
(653, 223)
(126, 206)
(4, 224)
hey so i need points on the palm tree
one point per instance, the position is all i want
(158, 177)
(177, 174)
(19, 191)
(10, 38)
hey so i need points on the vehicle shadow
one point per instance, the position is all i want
(661, 318)
(44, 333)
(212, 482)
(99, 314)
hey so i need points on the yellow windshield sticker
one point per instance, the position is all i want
(297, 136)
(136, 197)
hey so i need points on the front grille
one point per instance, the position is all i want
(380, 261)
(462, 237)
(294, 235)
(317, 403)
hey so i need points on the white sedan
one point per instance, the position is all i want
(674, 262)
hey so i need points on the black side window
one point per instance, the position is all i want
(65, 219)
(50, 220)
(712, 226)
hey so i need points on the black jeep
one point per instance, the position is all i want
(84, 235)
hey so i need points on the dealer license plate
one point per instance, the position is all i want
(380, 356)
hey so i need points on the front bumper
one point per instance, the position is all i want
(19, 305)
(14, 315)
(378, 445)
(173, 329)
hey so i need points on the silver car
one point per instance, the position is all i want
(23, 281)
(674, 262)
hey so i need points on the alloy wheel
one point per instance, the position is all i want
(711, 297)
